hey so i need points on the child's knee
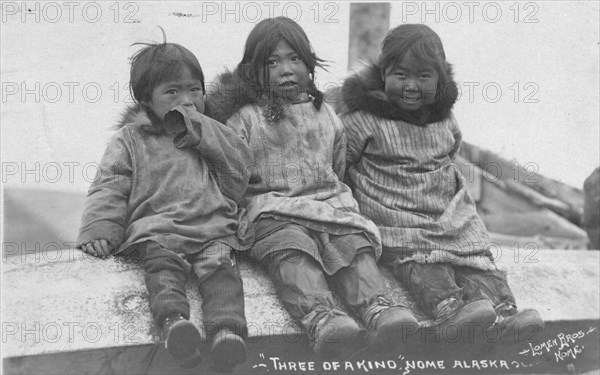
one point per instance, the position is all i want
(167, 261)
(289, 256)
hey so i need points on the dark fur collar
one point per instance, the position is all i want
(364, 91)
(232, 93)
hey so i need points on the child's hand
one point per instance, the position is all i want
(174, 121)
(99, 248)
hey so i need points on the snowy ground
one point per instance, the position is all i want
(529, 74)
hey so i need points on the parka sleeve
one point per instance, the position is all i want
(457, 137)
(240, 126)
(357, 136)
(226, 153)
(339, 148)
(105, 212)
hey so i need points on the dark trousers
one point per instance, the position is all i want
(220, 286)
(430, 284)
(303, 287)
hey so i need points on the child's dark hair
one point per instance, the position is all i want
(156, 63)
(424, 44)
(420, 40)
(262, 41)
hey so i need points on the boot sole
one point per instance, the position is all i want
(183, 342)
(340, 342)
(394, 332)
(227, 352)
(528, 324)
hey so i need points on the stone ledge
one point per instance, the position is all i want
(60, 302)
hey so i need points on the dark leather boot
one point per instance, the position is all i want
(332, 332)
(182, 340)
(514, 326)
(459, 321)
(228, 350)
(387, 323)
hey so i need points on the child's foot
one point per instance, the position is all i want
(332, 333)
(515, 326)
(228, 350)
(182, 340)
(458, 321)
(388, 324)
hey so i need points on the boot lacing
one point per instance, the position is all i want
(374, 310)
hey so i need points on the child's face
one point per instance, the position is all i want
(287, 73)
(409, 84)
(181, 90)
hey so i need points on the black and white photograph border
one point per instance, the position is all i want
(528, 77)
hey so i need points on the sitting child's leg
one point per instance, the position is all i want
(166, 275)
(511, 325)
(435, 290)
(303, 290)
(361, 286)
(429, 284)
(222, 294)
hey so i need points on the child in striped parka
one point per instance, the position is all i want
(402, 142)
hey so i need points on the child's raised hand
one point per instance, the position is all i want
(99, 248)
(175, 121)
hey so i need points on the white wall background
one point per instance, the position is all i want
(64, 73)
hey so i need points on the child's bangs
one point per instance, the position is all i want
(299, 43)
(167, 71)
(261, 51)
(425, 53)
(419, 50)
(266, 46)
(172, 61)
(419, 41)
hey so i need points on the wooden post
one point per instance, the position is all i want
(368, 24)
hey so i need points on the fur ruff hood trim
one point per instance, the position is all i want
(136, 114)
(364, 91)
(230, 93)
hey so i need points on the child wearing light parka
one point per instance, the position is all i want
(402, 143)
(303, 222)
(167, 188)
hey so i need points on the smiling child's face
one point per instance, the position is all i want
(287, 73)
(183, 89)
(410, 84)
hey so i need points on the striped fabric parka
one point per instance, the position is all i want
(401, 167)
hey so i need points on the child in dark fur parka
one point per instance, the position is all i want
(402, 140)
(302, 220)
